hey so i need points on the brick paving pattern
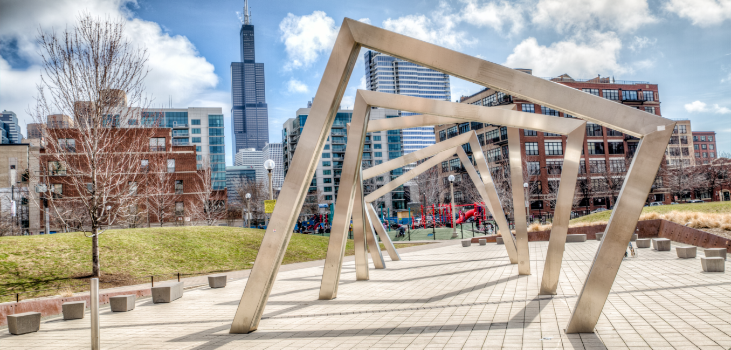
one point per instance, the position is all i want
(444, 296)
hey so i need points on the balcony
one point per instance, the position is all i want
(181, 134)
(180, 126)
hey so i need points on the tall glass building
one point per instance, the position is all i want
(388, 74)
(11, 128)
(250, 118)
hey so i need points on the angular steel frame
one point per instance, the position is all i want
(654, 132)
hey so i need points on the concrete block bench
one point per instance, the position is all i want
(643, 243)
(122, 303)
(711, 252)
(482, 241)
(686, 252)
(167, 294)
(27, 322)
(466, 243)
(217, 281)
(712, 264)
(576, 238)
(73, 310)
(599, 236)
(661, 244)
(499, 240)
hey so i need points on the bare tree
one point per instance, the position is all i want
(715, 174)
(89, 73)
(680, 179)
(208, 205)
(160, 196)
(258, 191)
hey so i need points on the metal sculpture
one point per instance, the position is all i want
(654, 132)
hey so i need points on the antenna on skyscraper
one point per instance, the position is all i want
(247, 14)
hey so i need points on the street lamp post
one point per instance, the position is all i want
(247, 217)
(451, 191)
(527, 196)
(269, 166)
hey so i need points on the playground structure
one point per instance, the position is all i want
(654, 132)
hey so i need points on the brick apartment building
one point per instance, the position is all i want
(704, 146)
(157, 155)
(606, 151)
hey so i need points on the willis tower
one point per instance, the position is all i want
(249, 114)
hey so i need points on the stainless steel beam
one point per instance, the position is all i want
(274, 245)
(385, 238)
(413, 121)
(371, 240)
(562, 213)
(618, 233)
(359, 233)
(516, 181)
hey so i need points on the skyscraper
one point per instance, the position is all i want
(249, 108)
(384, 73)
(9, 122)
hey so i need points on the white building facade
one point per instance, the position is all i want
(252, 157)
(274, 152)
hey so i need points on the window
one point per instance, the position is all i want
(593, 129)
(596, 147)
(650, 110)
(549, 111)
(674, 151)
(145, 165)
(215, 121)
(326, 155)
(683, 140)
(554, 148)
(464, 127)
(703, 138)
(377, 146)
(454, 164)
(325, 163)
(599, 184)
(216, 149)
(695, 139)
(326, 172)
(215, 141)
(710, 138)
(710, 146)
(179, 208)
(611, 94)
(327, 189)
(697, 154)
(527, 132)
(493, 155)
(196, 140)
(89, 187)
(171, 165)
(528, 107)
(534, 168)
(56, 168)
(629, 95)
(198, 149)
(178, 186)
(444, 166)
(612, 132)
(713, 154)
(704, 146)
(615, 147)
(492, 136)
(617, 166)
(199, 157)
(481, 138)
(648, 96)
(451, 132)
(597, 166)
(686, 151)
(157, 144)
(531, 148)
(442, 135)
(327, 180)
(378, 154)
(67, 145)
(553, 167)
(195, 122)
(328, 197)
(536, 187)
(682, 129)
(196, 131)
(705, 155)
(377, 138)
(594, 92)
(695, 146)
(582, 167)
(57, 190)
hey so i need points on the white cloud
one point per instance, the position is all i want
(296, 86)
(176, 67)
(701, 107)
(702, 13)
(597, 54)
(305, 37)
(640, 43)
(365, 20)
(438, 28)
(567, 16)
(501, 16)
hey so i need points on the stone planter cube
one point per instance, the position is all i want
(73, 310)
(712, 264)
(167, 294)
(576, 238)
(711, 252)
(466, 243)
(482, 241)
(27, 322)
(599, 236)
(122, 303)
(499, 240)
(217, 281)
(686, 252)
(643, 243)
(661, 244)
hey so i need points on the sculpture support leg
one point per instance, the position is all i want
(562, 214)
(359, 234)
(622, 223)
(372, 241)
(516, 180)
(385, 238)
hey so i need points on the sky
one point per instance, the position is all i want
(681, 45)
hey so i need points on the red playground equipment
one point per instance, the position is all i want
(441, 216)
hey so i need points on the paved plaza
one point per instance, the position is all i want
(444, 296)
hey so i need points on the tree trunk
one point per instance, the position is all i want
(96, 271)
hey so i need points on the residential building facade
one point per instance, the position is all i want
(249, 113)
(19, 212)
(235, 175)
(704, 146)
(274, 152)
(252, 158)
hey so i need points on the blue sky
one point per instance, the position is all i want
(682, 45)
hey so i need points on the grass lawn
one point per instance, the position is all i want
(712, 208)
(130, 256)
